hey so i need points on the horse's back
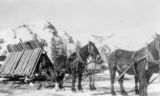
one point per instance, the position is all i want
(121, 59)
(120, 55)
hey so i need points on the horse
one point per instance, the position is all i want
(75, 66)
(119, 60)
(60, 70)
(149, 65)
(142, 68)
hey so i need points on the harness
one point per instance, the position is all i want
(138, 60)
(148, 57)
(79, 58)
(151, 59)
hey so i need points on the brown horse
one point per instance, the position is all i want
(119, 60)
(149, 65)
(74, 67)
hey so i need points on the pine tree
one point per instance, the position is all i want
(54, 49)
(64, 49)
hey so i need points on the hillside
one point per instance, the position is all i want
(44, 31)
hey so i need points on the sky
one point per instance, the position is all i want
(128, 21)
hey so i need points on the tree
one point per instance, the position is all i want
(78, 46)
(54, 51)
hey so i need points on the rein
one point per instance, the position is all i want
(79, 57)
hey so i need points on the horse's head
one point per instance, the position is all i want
(93, 51)
(157, 43)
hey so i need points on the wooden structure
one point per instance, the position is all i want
(23, 59)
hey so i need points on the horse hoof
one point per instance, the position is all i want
(137, 92)
(80, 90)
(92, 89)
(56, 89)
(113, 94)
(74, 91)
(62, 89)
(124, 94)
(38, 88)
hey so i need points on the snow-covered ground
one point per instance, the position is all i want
(102, 84)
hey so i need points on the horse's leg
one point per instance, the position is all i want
(57, 83)
(92, 81)
(39, 87)
(124, 93)
(61, 81)
(142, 79)
(73, 81)
(136, 79)
(148, 76)
(93, 77)
(112, 77)
(136, 84)
(79, 82)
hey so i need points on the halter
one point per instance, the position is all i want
(89, 51)
(80, 58)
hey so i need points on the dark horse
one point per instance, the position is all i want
(119, 60)
(149, 65)
(76, 68)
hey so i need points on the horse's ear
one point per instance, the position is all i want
(157, 35)
(153, 36)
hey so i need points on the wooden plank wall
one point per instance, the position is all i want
(33, 44)
(22, 59)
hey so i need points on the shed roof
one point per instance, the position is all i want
(22, 59)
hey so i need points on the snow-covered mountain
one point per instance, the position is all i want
(43, 31)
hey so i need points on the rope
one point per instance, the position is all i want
(153, 79)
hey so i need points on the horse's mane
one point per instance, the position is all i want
(82, 51)
(152, 48)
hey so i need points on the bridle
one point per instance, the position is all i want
(89, 51)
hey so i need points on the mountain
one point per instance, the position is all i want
(43, 31)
